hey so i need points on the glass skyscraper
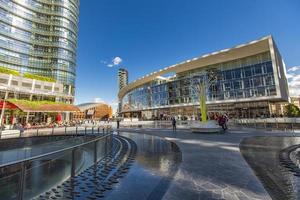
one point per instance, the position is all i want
(250, 82)
(40, 37)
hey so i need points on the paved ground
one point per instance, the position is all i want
(212, 165)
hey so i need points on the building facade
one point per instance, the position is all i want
(31, 100)
(40, 37)
(295, 101)
(122, 78)
(250, 80)
(95, 111)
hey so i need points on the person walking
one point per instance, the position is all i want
(174, 123)
(118, 123)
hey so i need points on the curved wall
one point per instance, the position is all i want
(40, 37)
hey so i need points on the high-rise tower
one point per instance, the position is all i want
(122, 78)
(40, 37)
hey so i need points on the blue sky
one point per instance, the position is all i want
(145, 36)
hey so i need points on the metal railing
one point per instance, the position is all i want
(28, 178)
(284, 124)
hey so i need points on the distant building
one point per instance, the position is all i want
(122, 78)
(97, 111)
(296, 101)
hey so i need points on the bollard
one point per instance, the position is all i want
(65, 130)
(37, 132)
(76, 130)
(98, 130)
(92, 130)
(103, 130)
(52, 130)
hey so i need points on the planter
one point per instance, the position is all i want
(207, 127)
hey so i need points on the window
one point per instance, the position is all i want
(237, 73)
(247, 71)
(257, 70)
(228, 75)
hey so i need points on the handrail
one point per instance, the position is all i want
(54, 152)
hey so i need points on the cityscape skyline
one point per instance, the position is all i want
(145, 38)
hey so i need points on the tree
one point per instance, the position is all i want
(201, 81)
(291, 110)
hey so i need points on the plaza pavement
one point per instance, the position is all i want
(212, 166)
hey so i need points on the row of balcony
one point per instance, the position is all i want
(38, 42)
(36, 64)
(69, 16)
(33, 29)
(74, 4)
(39, 53)
(66, 5)
(35, 19)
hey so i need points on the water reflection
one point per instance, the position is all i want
(262, 154)
(157, 162)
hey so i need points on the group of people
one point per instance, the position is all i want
(221, 119)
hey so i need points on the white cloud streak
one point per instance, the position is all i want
(293, 69)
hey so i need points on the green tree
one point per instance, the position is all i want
(292, 110)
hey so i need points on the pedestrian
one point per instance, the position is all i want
(118, 123)
(174, 123)
(21, 128)
(222, 122)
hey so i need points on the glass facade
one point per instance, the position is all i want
(246, 78)
(40, 37)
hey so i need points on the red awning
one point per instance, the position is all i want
(8, 105)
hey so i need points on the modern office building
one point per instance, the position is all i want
(122, 78)
(250, 83)
(40, 37)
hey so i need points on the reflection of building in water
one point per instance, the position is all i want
(262, 154)
(156, 153)
(99, 111)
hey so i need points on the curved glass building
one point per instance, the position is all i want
(40, 37)
(251, 83)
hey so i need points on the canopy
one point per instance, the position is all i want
(39, 106)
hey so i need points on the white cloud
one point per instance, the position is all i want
(98, 100)
(294, 84)
(103, 62)
(114, 62)
(117, 60)
(293, 69)
(288, 76)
